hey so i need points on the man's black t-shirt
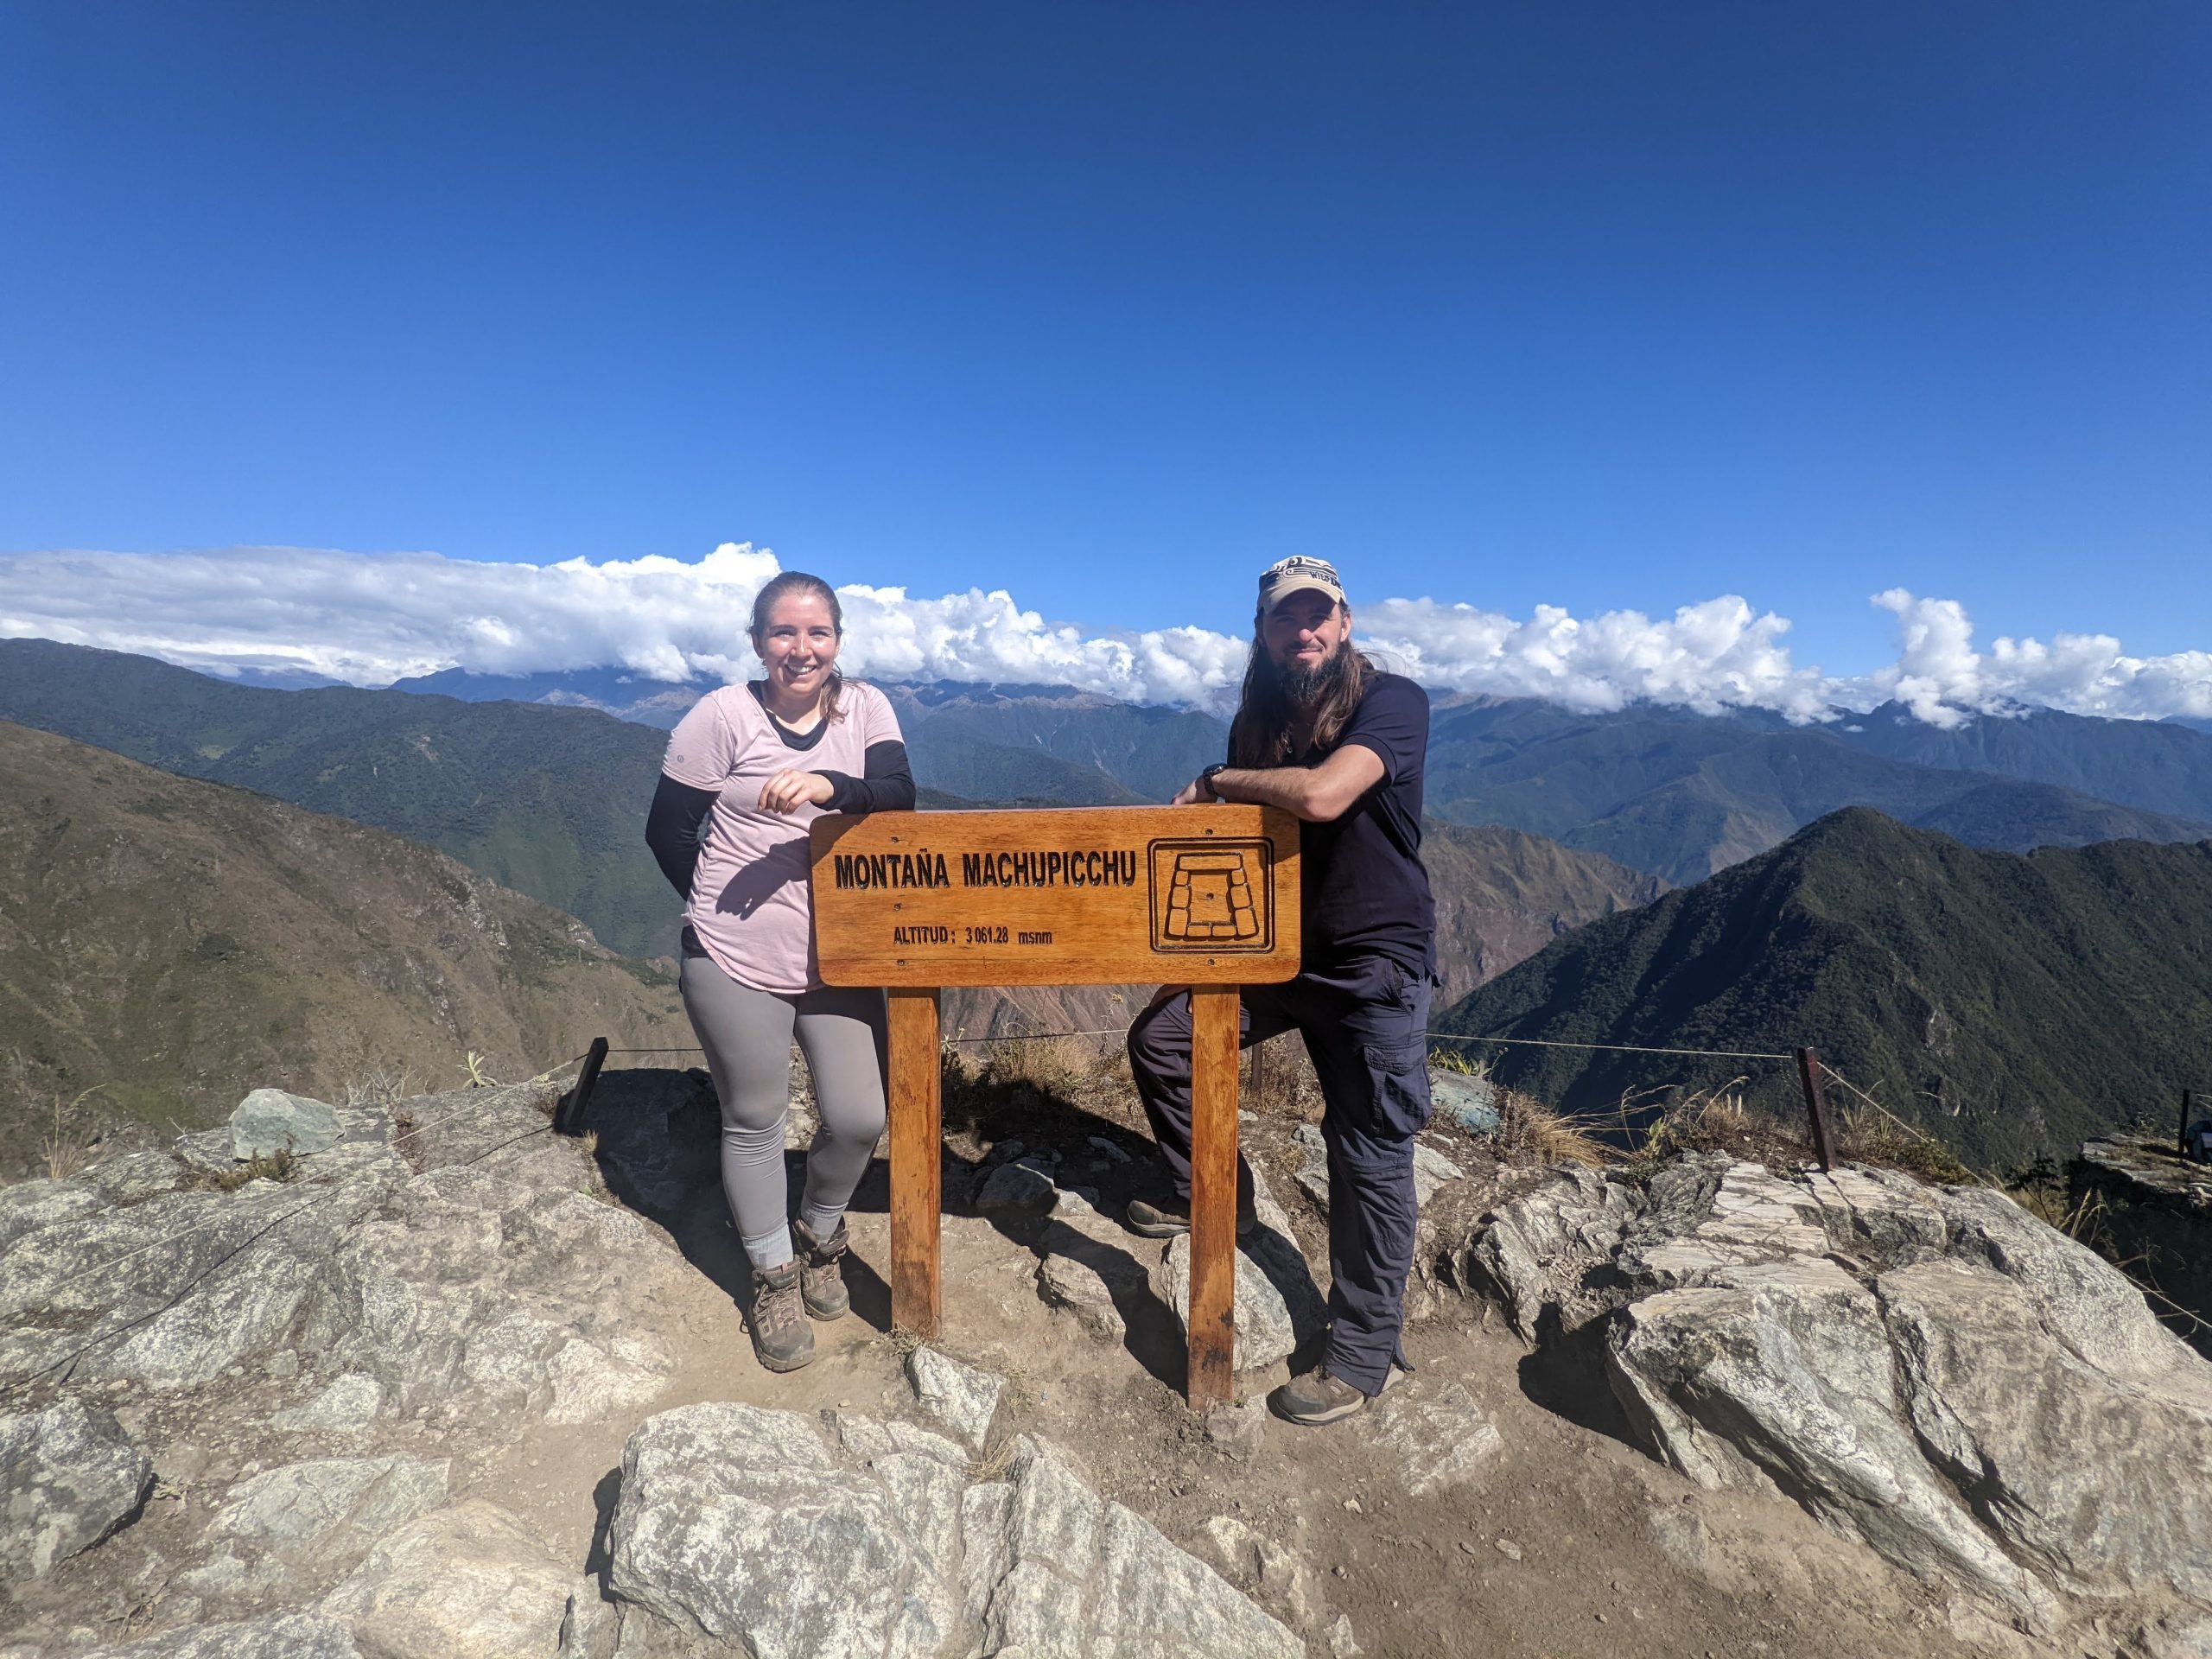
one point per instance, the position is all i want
(1364, 889)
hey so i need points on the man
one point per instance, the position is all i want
(1326, 734)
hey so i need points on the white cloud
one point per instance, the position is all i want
(1943, 679)
(371, 618)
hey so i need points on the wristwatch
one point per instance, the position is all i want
(1206, 777)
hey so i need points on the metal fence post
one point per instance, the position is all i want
(1808, 1071)
(2188, 1110)
(568, 1115)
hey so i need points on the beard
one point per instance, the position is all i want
(1303, 684)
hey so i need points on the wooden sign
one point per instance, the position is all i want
(1195, 895)
(1203, 896)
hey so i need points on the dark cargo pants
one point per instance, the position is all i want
(1364, 1024)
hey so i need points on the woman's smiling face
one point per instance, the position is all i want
(798, 646)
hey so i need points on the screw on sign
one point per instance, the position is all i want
(1202, 896)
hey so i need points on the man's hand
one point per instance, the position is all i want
(789, 790)
(1316, 794)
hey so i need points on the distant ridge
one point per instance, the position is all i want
(2010, 1004)
(1683, 795)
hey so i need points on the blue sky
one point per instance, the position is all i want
(1599, 306)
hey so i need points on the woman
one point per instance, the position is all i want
(747, 770)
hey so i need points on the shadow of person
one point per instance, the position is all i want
(658, 1134)
(1565, 1374)
(1151, 1334)
(763, 878)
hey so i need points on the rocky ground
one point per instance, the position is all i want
(436, 1382)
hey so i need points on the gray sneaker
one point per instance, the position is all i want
(1316, 1398)
(821, 1280)
(782, 1340)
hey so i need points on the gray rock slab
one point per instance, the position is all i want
(1462, 1098)
(961, 1397)
(1440, 1436)
(1052, 1571)
(69, 1477)
(1534, 1251)
(467, 1582)
(1089, 1266)
(591, 1626)
(1433, 1172)
(1780, 1380)
(349, 1403)
(329, 1507)
(747, 1526)
(271, 1121)
(742, 1531)
(2060, 1457)
(279, 1635)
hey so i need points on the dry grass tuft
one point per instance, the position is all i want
(2041, 1191)
(380, 1085)
(1874, 1137)
(1529, 1131)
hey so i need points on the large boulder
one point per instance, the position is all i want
(270, 1120)
(741, 1530)
(1933, 1371)
(68, 1478)
(1277, 1308)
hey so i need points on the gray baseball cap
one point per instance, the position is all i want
(1295, 575)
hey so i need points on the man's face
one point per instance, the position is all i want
(1304, 632)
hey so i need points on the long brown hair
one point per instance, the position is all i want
(797, 581)
(1270, 730)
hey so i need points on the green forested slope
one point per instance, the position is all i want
(2010, 1004)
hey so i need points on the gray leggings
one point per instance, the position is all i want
(747, 1036)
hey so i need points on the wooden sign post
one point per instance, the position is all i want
(1202, 896)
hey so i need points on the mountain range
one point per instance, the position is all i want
(1682, 795)
(169, 943)
(1667, 791)
(551, 800)
(2005, 1002)
(2010, 1004)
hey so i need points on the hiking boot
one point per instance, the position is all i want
(782, 1340)
(1316, 1398)
(821, 1280)
(1172, 1215)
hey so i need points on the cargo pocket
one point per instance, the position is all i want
(1397, 1076)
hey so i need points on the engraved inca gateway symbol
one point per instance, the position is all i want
(1213, 895)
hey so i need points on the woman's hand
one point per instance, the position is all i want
(789, 790)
